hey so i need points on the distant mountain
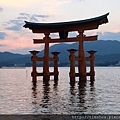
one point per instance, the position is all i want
(108, 53)
(103, 47)
(8, 56)
(10, 59)
(105, 50)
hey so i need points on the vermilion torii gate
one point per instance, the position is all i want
(63, 28)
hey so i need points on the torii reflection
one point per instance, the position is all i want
(81, 96)
(41, 96)
(46, 96)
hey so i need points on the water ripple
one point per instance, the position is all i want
(19, 96)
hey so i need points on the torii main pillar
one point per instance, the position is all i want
(46, 74)
(82, 61)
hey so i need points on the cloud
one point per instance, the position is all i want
(17, 24)
(109, 36)
(1, 45)
(1, 9)
(2, 35)
(33, 17)
(72, 34)
(42, 16)
(25, 14)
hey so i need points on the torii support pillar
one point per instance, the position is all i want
(56, 73)
(92, 72)
(72, 65)
(34, 60)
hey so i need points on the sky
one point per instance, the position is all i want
(17, 39)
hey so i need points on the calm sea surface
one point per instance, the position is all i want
(19, 96)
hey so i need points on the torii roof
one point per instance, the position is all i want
(79, 25)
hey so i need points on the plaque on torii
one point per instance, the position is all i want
(63, 28)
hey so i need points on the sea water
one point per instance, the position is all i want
(19, 96)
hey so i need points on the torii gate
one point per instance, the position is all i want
(63, 28)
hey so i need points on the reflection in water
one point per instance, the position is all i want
(92, 97)
(55, 83)
(82, 95)
(78, 98)
(55, 87)
(41, 98)
(34, 88)
(46, 96)
(72, 94)
(34, 96)
(92, 88)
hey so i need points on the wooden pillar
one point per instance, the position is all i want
(46, 74)
(92, 72)
(82, 61)
(56, 72)
(72, 65)
(34, 60)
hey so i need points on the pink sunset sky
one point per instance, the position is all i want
(14, 38)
